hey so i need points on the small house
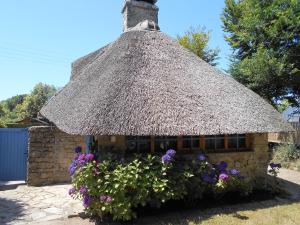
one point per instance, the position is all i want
(144, 93)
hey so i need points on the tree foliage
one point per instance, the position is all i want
(12, 102)
(2, 112)
(265, 37)
(27, 105)
(197, 40)
(34, 102)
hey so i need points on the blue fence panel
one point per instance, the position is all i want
(13, 153)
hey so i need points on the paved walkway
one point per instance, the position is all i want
(25, 205)
(290, 182)
(51, 205)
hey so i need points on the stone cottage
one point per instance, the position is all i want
(144, 93)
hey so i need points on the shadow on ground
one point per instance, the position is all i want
(10, 210)
(10, 185)
(202, 213)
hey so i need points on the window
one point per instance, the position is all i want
(214, 142)
(138, 144)
(191, 142)
(209, 143)
(164, 143)
(237, 141)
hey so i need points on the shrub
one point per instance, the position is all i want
(114, 188)
(286, 153)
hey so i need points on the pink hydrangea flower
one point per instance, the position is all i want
(223, 177)
(89, 157)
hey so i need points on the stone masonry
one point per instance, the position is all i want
(135, 12)
(51, 151)
(252, 164)
(49, 155)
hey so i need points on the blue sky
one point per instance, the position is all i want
(40, 39)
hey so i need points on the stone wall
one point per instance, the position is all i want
(252, 164)
(49, 155)
(51, 151)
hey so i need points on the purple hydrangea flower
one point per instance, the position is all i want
(222, 166)
(89, 157)
(201, 157)
(78, 150)
(223, 177)
(208, 178)
(166, 158)
(171, 153)
(81, 161)
(83, 190)
(275, 166)
(87, 200)
(72, 191)
(81, 157)
(278, 165)
(234, 172)
(72, 168)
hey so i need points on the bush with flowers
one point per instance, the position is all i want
(117, 189)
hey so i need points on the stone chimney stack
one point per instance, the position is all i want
(140, 14)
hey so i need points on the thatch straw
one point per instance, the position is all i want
(145, 83)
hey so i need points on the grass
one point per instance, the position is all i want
(276, 215)
(276, 211)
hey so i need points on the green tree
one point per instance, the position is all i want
(265, 37)
(2, 112)
(2, 124)
(282, 106)
(12, 102)
(33, 102)
(197, 40)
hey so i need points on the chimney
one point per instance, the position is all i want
(140, 15)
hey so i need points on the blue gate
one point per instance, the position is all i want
(13, 154)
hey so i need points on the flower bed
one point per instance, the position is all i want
(117, 189)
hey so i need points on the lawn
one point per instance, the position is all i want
(276, 215)
(271, 212)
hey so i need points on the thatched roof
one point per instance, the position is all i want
(145, 83)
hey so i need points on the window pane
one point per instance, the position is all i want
(209, 143)
(144, 138)
(210, 136)
(138, 144)
(220, 143)
(195, 142)
(159, 145)
(187, 142)
(219, 136)
(232, 142)
(171, 144)
(242, 142)
(129, 138)
(144, 144)
(131, 145)
(144, 147)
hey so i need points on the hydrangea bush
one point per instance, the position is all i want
(114, 188)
